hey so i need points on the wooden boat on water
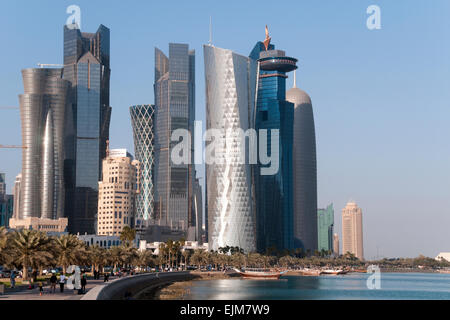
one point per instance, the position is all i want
(264, 274)
(309, 272)
(334, 272)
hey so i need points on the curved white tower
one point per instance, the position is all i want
(305, 170)
(230, 101)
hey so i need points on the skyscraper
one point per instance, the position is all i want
(43, 109)
(142, 121)
(274, 202)
(304, 170)
(117, 192)
(352, 232)
(230, 104)
(2, 185)
(87, 67)
(16, 195)
(336, 245)
(325, 224)
(174, 109)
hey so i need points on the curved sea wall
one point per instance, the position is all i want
(133, 285)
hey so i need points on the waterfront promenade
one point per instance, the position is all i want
(26, 294)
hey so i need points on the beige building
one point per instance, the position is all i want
(40, 224)
(117, 192)
(352, 231)
(336, 244)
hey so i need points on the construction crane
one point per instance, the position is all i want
(9, 108)
(12, 147)
(42, 65)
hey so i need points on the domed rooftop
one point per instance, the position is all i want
(296, 95)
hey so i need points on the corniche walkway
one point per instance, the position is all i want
(33, 294)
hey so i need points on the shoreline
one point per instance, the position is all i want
(181, 289)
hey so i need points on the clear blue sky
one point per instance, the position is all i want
(381, 98)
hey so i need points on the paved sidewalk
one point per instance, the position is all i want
(47, 295)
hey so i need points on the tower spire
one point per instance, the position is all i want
(210, 30)
(295, 78)
(268, 39)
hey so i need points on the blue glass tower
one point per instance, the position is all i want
(274, 193)
(87, 67)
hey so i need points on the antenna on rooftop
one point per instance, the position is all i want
(210, 31)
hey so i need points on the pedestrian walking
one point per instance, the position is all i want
(106, 277)
(62, 281)
(41, 288)
(83, 284)
(53, 281)
(12, 279)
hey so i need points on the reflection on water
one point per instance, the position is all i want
(351, 286)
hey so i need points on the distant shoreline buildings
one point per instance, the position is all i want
(352, 230)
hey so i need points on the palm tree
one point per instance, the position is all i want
(4, 241)
(68, 250)
(30, 248)
(143, 259)
(169, 246)
(128, 234)
(96, 256)
(186, 255)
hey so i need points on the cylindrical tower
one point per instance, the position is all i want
(230, 101)
(304, 170)
(42, 111)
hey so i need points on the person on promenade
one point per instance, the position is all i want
(106, 277)
(41, 288)
(53, 281)
(62, 281)
(12, 279)
(96, 274)
(83, 284)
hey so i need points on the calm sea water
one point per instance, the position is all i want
(394, 286)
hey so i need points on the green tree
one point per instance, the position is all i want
(68, 250)
(30, 248)
(128, 234)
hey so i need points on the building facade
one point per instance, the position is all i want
(230, 104)
(87, 67)
(117, 193)
(325, 225)
(174, 109)
(43, 109)
(274, 193)
(304, 170)
(336, 251)
(16, 195)
(2, 185)
(142, 121)
(352, 230)
(6, 210)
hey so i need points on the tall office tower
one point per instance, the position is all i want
(230, 104)
(43, 109)
(325, 224)
(274, 202)
(117, 193)
(2, 185)
(6, 210)
(16, 195)
(198, 207)
(352, 233)
(87, 67)
(174, 109)
(304, 170)
(142, 121)
(336, 244)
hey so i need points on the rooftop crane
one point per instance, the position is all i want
(12, 147)
(42, 65)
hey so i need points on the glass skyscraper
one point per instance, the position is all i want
(174, 109)
(43, 108)
(142, 121)
(274, 193)
(325, 224)
(230, 103)
(87, 67)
